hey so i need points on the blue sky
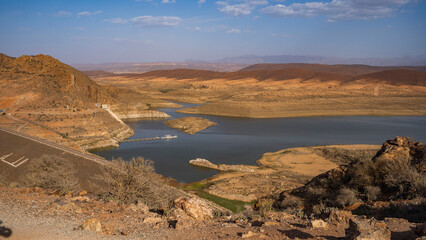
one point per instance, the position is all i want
(83, 31)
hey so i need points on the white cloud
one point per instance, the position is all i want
(338, 9)
(234, 30)
(201, 1)
(87, 14)
(168, 1)
(116, 20)
(239, 7)
(159, 21)
(62, 13)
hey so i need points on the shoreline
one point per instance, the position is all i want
(303, 114)
(285, 169)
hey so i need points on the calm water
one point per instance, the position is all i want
(243, 141)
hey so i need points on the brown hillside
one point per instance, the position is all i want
(353, 70)
(44, 81)
(397, 77)
(261, 75)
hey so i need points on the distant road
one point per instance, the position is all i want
(57, 146)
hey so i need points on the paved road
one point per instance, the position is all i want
(18, 150)
(57, 146)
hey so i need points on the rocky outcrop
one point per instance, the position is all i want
(403, 151)
(395, 172)
(190, 125)
(194, 207)
(340, 218)
(92, 224)
(367, 229)
(200, 162)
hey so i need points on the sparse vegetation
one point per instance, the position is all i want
(135, 181)
(233, 205)
(392, 174)
(51, 172)
(3, 176)
(165, 90)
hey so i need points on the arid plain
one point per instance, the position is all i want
(287, 195)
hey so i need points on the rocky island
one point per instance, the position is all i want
(190, 125)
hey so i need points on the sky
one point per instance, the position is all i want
(99, 31)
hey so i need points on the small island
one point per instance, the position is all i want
(190, 125)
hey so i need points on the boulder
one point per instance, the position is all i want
(82, 193)
(404, 149)
(420, 229)
(140, 207)
(152, 220)
(249, 234)
(194, 207)
(340, 218)
(318, 223)
(367, 229)
(92, 224)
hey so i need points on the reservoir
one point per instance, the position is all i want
(244, 140)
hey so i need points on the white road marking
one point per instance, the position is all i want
(59, 147)
(16, 163)
(19, 164)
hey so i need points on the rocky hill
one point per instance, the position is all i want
(50, 82)
(351, 69)
(49, 99)
(391, 184)
(304, 72)
(397, 77)
(261, 75)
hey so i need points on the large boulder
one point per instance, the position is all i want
(92, 224)
(403, 149)
(367, 229)
(194, 207)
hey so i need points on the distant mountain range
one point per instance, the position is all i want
(401, 61)
(236, 63)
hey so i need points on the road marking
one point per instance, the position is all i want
(16, 163)
(59, 147)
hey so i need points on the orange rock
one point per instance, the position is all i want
(82, 193)
(92, 224)
(354, 206)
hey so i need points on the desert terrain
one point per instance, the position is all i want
(286, 90)
(277, 199)
(43, 97)
(285, 169)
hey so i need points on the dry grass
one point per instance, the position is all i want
(135, 181)
(52, 172)
(3, 176)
